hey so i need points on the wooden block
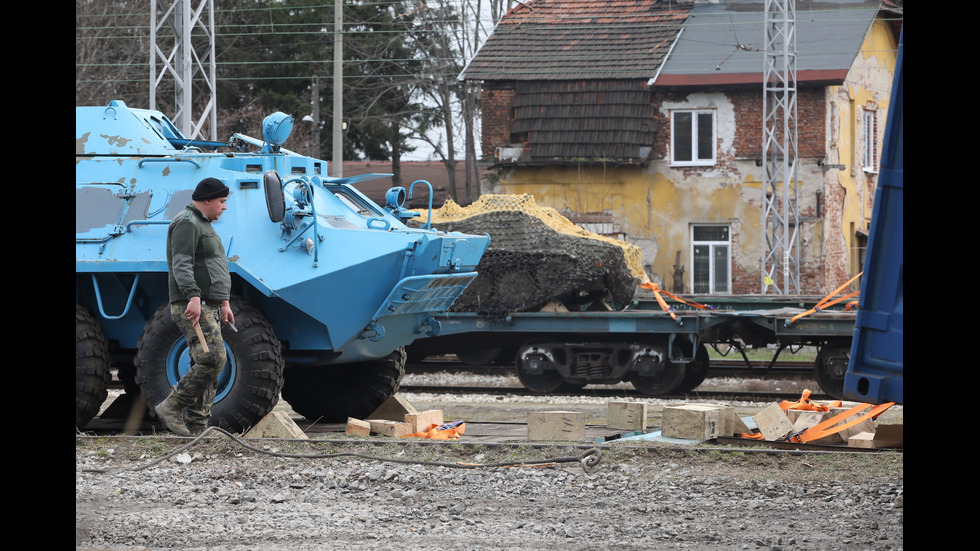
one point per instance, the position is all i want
(556, 425)
(732, 424)
(387, 427)
(889, 436)
(794, 414)
(803, 420)
(861, 440)
(422, 420)
(627, 415)
(357, 427)
(868, 425)
(773, 422)
(276, 425)
(393, 409)
(692, 421)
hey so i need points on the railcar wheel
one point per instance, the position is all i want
(534, 372)
(830, 367)
(664, 381)
(91, 367)
(331, 394)
(695, 371)
(247, 388)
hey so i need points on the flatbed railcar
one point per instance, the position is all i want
(659, 351)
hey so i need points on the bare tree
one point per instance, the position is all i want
(111, 45)
(449, 37)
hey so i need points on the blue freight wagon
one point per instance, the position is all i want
(876, 369)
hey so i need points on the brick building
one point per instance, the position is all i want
(643, 119)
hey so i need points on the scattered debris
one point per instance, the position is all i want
(397, 418)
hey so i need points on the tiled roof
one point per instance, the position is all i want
(604, 119)
(579, 39)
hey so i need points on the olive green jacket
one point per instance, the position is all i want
(196, 262)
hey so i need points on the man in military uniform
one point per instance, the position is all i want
(200, 288)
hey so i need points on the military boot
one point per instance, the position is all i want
(196, 429)
(172, 415)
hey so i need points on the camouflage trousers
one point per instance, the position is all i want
(196, 388)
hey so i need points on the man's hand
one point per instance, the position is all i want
(193, 310)
(226, 315)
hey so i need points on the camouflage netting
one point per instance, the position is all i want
(537, 256)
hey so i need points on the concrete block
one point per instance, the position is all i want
(358, 427)
(692, 421)
(773, 422)
(276, 424)
(422, 420)
(556, 425)
(393, 409)
(386, 427)
(627, 415)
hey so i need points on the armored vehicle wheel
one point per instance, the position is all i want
(331, 394)
(695, 371)
(249, 385)
(830, 367)
(91, 367)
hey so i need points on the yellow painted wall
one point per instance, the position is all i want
(656, 206)
(867, 84)
(647, 206)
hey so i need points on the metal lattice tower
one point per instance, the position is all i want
(780, 210)
(186, 58)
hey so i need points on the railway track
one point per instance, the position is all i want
(718, 368)
(730, 395)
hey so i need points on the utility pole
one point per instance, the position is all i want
(175, 22)
(338, 90)
(316, 116)
(780, 210)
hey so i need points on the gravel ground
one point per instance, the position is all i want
(220, 495)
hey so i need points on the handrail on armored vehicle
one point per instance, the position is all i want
(129, 300)
(169, 159)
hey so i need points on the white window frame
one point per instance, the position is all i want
(697, 157)
(712, 245)
(869, 156)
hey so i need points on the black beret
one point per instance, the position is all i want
(210, 188)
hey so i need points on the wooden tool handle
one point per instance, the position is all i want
(200, 336)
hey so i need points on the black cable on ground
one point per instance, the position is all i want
(589, 459)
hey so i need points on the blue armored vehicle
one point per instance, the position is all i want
(328, 286)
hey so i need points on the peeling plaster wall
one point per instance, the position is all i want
(850, 189)
(655, 206)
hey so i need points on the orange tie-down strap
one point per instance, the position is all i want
(448, 431)
(657, 292)
(804, 403)
(826, 301)
(829, 426)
